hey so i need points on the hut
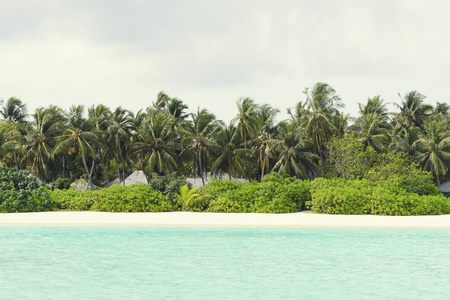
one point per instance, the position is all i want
(445, 188)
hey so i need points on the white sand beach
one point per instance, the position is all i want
(302, 219)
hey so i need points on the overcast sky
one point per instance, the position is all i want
(210, 53)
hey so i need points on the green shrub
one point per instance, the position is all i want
(20, 192)
(276, 194)
(116, 198)
(345, 196)
(61, 184)
(169, 185)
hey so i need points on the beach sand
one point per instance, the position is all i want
(302, 219)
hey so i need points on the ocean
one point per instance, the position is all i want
(222, 263)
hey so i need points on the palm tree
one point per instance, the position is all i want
(41, 139)
(322, 105)
(375, 106)
(14, 111)
(434, 147)
(266, 117)
(371, 131)
(156, 143)
(79, 138)
(231, 153)
(100, 116)
(441, 111)
(247, 122)
(295, 157)
(119, 131)
(412, 111)
(198, 136)
(406, 141)
(7, 144)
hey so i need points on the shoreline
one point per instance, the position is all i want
(202, 219)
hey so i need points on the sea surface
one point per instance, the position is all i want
(223, 263)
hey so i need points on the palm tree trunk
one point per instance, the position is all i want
(104, 170)
(200, 164)
(17, 163)
(123, 168)
(319, 150)
(229, 168)
(87, 172)
(262, 168)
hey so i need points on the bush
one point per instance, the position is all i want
(168, 185)
(345, 196)
(61, 184)
(276, 194)
(116, 198)
(20, 192)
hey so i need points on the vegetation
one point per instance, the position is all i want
(20, 192)
(408, 149)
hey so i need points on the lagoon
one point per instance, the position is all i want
(101, 262)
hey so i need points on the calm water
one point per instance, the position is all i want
(213, 263)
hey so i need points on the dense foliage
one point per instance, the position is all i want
(275, 195)
(169, 185)
(20, 192)
(105, 143)
(117, 198)
(344, 196)
(401, 154)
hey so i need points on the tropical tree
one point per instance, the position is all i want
(263, 148)
(198, 137)
(78, 137)
(316, 115)
(41, 139)
(413, 111)
(100, 118)
(188, 197)
(247, 122)
(295, 157)
(119, 131)
(434, 147)
(406, 141)
(230, 152)
(14, 111)
(371, 131)
(156, 144)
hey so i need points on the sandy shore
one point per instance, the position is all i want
(222, 219)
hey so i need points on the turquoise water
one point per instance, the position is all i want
(223, 263)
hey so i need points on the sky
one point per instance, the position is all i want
(211, 53)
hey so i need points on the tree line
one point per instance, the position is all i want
(101, 143)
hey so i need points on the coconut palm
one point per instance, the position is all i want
(247, 122)
(198, 137)
(371, 131)
(413, 111)
(41, 139)
(188, 197)
(321, 107)
(100, 116)
(119, 131)
(434, 147)
(78, 137)
(230, 152)
(14, 111)
(295, 157)
(375, 106)
(8, 144)
(266, 117)
(406, 141)
(156, 144)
